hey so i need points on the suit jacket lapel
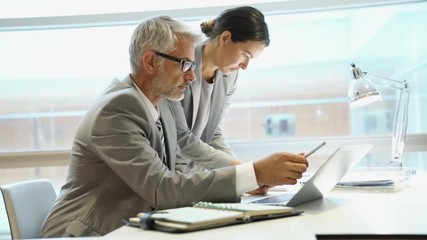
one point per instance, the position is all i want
(219, 95)
(169, 128)
(196, 85)
(169, 131)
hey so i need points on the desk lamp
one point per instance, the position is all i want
(362, 91)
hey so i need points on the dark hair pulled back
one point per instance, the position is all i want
(245, 24)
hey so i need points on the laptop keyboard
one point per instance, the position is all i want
(275, 199)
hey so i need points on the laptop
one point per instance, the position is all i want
(322, 181)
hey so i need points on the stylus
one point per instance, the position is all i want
(315, 149)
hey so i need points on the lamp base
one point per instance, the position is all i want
(399, 165)
(396, 164)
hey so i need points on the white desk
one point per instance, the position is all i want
(339, 213)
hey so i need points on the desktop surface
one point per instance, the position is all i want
(341, 214)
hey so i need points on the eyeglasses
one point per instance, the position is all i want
(186, 65)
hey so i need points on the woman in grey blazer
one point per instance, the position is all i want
(234, 38)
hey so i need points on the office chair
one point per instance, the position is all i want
(27, 205)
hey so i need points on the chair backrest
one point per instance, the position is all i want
(27, 205)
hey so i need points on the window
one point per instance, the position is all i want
(53, 68)
(303, 76)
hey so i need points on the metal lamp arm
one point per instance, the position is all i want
(391, 83)
(401, 125)
(401, 117)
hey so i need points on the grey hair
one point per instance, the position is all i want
(158, 33)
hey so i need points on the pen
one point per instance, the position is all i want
(315, 149)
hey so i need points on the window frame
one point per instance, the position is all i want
(414, 142)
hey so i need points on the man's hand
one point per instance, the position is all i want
(260, 191)
(235, 162)
(280, 168)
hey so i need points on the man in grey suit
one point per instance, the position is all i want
(124, 152)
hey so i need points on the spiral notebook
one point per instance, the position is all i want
(208, 215)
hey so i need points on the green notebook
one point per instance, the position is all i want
(208, 215)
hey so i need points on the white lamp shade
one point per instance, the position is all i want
(362, 92)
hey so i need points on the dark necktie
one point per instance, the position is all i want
(162, 137)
